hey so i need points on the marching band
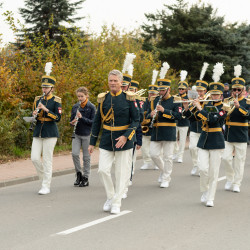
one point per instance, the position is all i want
(217, 128)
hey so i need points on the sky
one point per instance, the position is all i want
(125, 14)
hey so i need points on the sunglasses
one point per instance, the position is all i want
(181, 89)
(237, 90)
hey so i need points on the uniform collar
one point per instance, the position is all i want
(118, 93)
(183, 95)
(48, 97)
(167, 97)
(217, 103)
(240, 99)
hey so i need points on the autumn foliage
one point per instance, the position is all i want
(82, 61)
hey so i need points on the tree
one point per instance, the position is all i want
(43, 16)
(187, 37)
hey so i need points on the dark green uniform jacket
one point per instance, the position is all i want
(119, 115)
(195, 123)
(237, 122)
(164, 128)
(211, 136)
(183, 122)
(46, 122)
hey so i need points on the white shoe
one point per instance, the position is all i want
(156, 168)
(164, 184)
(210, 204)
(228, 186)
(44, 190)
(145, 166)
(179, 160)
(236, 189)
(160, 178)
(174, 157)
(130, 183)
(194, 171)
(124, 196)
(107, 205)
(115, 210)
(204, 197)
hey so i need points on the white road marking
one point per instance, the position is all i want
(222, 178)
(92, 223)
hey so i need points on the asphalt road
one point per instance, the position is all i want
(152, 218)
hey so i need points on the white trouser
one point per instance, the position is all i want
(234, 166)
(145, 149)
(209, 170)
(44, 147)
(193, 140)
(165, 162)
(179, 149)
(123, 162)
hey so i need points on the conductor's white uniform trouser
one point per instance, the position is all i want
(234, 166)
(209, 170)
(43, 147)
(165, 162)
(193, 140)
(123, 163)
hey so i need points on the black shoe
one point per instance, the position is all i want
(78, 179)
(84, 182)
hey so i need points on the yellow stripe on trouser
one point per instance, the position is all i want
(117, 128)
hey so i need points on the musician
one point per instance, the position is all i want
(236, 135)
(46, 132)
(182, 124)
(147, 131)
(133, 87)
(82, 117)
(164, 130)
(118, 114)
(195, 125)
(211, 142)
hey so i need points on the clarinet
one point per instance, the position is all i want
(37, 109)
(156, 112)
(77, 118)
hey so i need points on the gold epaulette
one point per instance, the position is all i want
(37, 98)
(177, 98)
(101, 97)
(58, 99)
(248, 100)
(131, 96)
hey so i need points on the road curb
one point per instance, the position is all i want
(54, 174)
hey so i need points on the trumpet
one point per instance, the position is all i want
(33, 123)
(141, 92)
(229, 107)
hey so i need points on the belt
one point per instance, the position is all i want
(212, 129)
(164, 124)
(117, 128)
(244, 124)
(45, 119)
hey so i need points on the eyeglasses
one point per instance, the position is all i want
(237, 90)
